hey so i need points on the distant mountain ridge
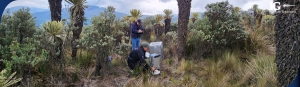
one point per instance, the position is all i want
(44, 15)
(32, 9)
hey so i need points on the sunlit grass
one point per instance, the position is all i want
(263, 69)
(229, 70)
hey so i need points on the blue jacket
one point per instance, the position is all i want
(134, 30)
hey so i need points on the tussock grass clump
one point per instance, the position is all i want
(116, 62)
(186, 66)
(231, 71)
(230, 62)
(255, 42)
(84, 59)
(216, 74)
(260, 71)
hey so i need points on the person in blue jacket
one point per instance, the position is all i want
(136, 31)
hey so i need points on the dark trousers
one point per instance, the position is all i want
(136, 65)
(131, 64)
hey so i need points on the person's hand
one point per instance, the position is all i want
(140, 31)
(152, 68)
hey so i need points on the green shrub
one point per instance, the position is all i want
(18, 25)
(226, 29)
(173, 27)
(219, 29)
(15, 26)
(199, 39)
(23, 57)
(268, 22)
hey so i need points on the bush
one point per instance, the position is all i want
(174, 27)
(24, 59)
(100, 37)
(199, 40)
(268, 22)
(19, 24)
(219, 29)
(21, 44)
(123, 50)
(15, 27)
(226, 28)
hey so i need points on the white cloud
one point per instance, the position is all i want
(262, 4)
(29, 3)
(148, 7)
(157, 7)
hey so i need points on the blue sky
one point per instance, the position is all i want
(148, 7)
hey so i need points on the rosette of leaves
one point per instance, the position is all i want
(77, 19)
(56, 35)
(135, 14)
(168, 19)
(55, 29)
(159, 26)
(6, 81)
(195, 16)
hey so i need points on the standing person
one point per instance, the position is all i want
(136, 31)
(136, 58)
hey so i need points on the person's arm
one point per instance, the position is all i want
(133, 29)
(142, 61)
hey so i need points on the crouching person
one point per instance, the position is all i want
(136, 58)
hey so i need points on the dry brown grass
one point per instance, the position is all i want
(227, 71)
